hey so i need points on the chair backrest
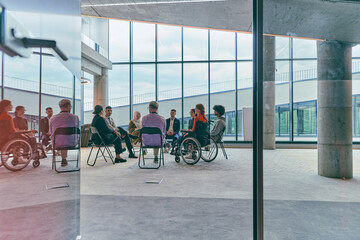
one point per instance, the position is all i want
(202, 131)
(151, 131)
(67, 131)
(95, 132)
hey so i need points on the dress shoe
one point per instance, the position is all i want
(131, 155)
(123, 149)
(119, 160)
(133, 136)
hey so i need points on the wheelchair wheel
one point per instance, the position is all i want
(210, 151)
(36, 163)
(16, 154)
(190, 150)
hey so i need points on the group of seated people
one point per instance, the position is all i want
(170, 128)
(17, 127)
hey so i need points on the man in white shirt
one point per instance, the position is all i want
(124, 134)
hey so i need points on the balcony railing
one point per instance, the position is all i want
(301, 75)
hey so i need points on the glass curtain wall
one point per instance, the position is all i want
(22, 88)
(182, 66)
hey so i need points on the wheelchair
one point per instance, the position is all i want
(17, 153)
(195, 145)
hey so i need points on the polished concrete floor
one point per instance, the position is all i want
(204, 201)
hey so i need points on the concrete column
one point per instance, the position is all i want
(334, 110)
(101, 89)
(269, 92)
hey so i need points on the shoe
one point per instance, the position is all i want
(123, 149)
(64, 163)
(166, 150)
(144, 152)
(120, 160)
(133, 136)
(172, 152)
(188, 156)
(156, 160)
(132, 155)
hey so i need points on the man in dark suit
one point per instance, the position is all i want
(44, 128)
(172, 128)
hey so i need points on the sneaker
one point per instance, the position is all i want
(188, 156)
(156, 159)
(132, 155)
(64, 163)
(120, 160)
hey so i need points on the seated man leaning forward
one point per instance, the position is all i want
(62, 120)
(172, 128)
(109, 135)
(124, 134)
(218, 130)
(153, 119)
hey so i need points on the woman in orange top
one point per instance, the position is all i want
(7, 128)
(200, 115)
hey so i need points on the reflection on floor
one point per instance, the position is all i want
(204, 201)
(214, 200)
(29, 211)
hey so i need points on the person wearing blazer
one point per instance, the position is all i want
(109, 135)
(172, 129)
(44, 127)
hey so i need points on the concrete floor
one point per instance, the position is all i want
(204, 201)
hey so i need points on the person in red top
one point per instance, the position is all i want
(7, 128)
(197, 131)
(200, 115)
(8, 131)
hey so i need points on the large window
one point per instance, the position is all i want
(195, 44)
(169, 43)
(119, 41)
(119, 93)
(182, 66)
(143, 42)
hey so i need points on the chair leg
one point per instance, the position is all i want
(110, 154)
(223, 150)
(139, 157)
(103, 153)
(87, 162)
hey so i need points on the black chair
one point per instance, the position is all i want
(102, 147)
(221, 143)
(66, 131)
(151, 131)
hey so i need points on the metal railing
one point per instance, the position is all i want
(301, 75)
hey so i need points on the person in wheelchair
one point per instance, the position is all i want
(8, 131)
(200, 129)
(218, 130)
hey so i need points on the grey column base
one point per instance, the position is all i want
(333, 160)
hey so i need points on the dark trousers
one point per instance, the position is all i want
(45, 140)
(174, 137)
(117, 145)
(126, 137)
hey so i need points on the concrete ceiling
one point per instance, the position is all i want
(322, 19)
